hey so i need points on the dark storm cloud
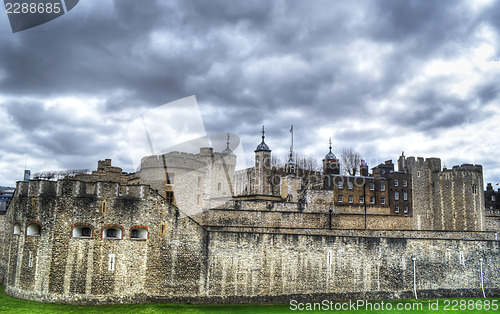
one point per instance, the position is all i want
(308, 63)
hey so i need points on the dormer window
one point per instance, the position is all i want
(138, 233)
(112, 233)
(17, 228)
(33, 230)
(82, 231)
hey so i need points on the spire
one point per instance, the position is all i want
(330, 155)
(290, 165)
(262, 147)
(227, 151)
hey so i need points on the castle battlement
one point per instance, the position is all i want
(77, 188)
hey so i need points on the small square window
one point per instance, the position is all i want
(396, 183)
(361, 199)
(382, 187)
(111, 233)
(396, 209)
(406, 210)
(372, 186)
(341, 198)
(405, 183)
(349, 185)
(382, 200)
(340, 184)
(350, 198)
(372, 199)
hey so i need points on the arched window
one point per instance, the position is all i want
(112, 232)
(139, 233)
(17, 228)
(82, 230)
(34, 229)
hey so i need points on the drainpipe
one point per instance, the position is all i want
(364, 198)
(415, 278)
(482, 279)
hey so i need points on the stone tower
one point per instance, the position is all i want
(445, 199)
(262, 168)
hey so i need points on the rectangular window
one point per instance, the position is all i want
(329, 257)
(382, 200)
(372, 199)
(111, 262)
(418, 173)
(396, 196)
(350, 198)
(199, 182)
(396, 183)
(406, 209)
(405, 196)
(349, 185)
(405, 183)
(162, 228)
(361, 199)
(169, 196)
(341, 198)
(474, 189)
(382, 187)
(103, 207)
(340, 184)
(219, 186)
(372, 186)
(493, 198)
(30, 260)
(397, 209)
(169, 178)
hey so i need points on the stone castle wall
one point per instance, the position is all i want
(249, 251)
(281, 267)
(56, 266)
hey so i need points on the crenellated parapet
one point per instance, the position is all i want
(77, 188)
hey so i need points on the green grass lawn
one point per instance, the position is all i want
(12, 305)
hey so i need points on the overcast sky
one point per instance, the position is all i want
(380, 77)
